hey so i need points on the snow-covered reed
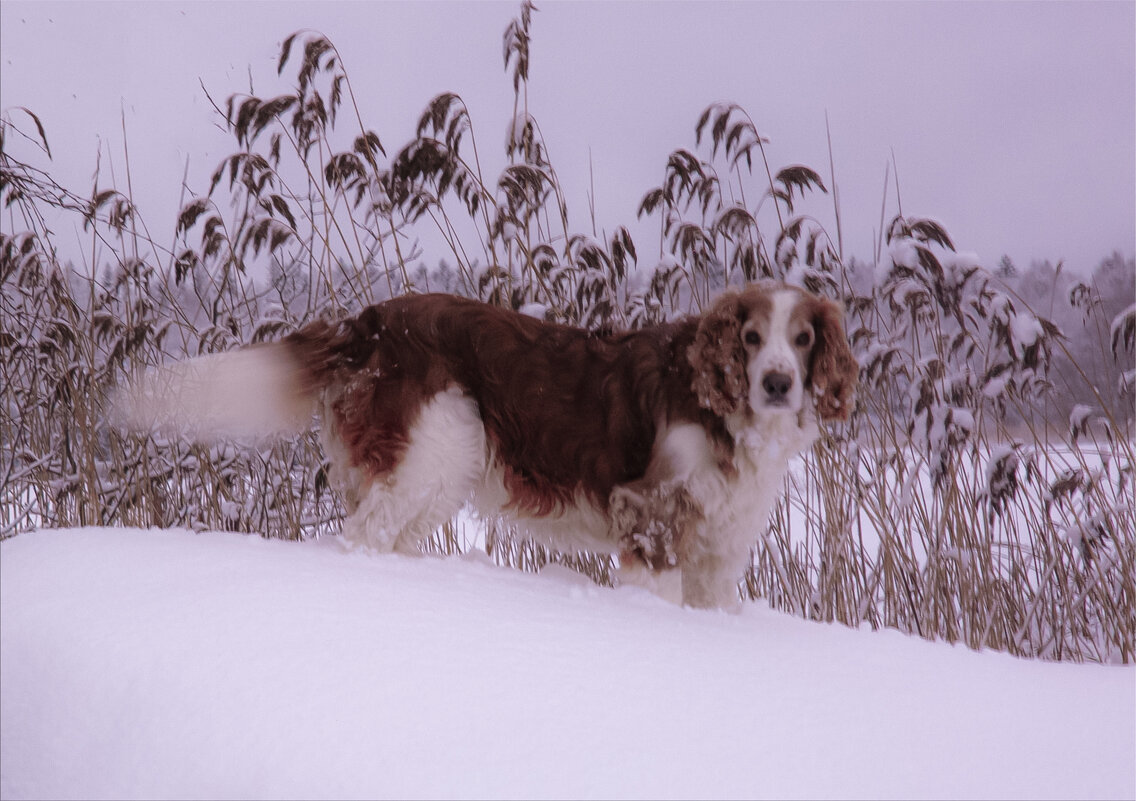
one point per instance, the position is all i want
(981, 493)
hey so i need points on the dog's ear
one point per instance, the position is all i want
(718, 358)
(833, 370)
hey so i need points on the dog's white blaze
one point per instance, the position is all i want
(777, 355)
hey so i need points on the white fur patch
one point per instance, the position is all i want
(243, 394)
(436, 476)
(777, 354)
(686, 450)
(735, 509)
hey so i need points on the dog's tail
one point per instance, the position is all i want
(254, 392)
(258, 391)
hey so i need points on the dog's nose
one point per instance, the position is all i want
(777, 385)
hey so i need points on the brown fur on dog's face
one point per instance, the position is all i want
(833, 371)
(718, 356)
(768, 348)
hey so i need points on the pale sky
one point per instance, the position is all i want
(1014, 124)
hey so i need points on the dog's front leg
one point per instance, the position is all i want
(711, 583)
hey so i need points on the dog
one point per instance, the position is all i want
(665, 445)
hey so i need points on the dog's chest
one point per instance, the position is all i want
(762, 453)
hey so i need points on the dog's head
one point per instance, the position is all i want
(768, 346)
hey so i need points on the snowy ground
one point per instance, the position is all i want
(157, 664)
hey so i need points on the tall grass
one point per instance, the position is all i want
(948, 506)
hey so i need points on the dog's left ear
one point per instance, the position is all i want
(718, 358)
(833, 370)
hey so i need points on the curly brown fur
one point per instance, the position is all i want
(833, 371)
(718, 358)
(650, 522)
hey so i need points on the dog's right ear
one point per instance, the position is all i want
(718, 357)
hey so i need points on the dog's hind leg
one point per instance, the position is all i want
(436, 475)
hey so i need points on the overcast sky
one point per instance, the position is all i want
(1014, 124)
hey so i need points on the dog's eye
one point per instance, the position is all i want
(752, 338)
(804, 339)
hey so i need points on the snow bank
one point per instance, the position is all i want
(161, 663)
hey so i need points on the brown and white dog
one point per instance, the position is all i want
(665, 445)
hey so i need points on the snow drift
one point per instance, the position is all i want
(151, 664)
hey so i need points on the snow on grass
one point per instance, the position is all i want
(162, 663)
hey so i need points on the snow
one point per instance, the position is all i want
(537, 310)
(162, 663)
(643, 273)
(962, 260)
(1079, 416)
(796, 274)
(1024, 330)
(961, 418)
(1002, 457)
(1120, 320)
(995, 386)
(901, 253)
